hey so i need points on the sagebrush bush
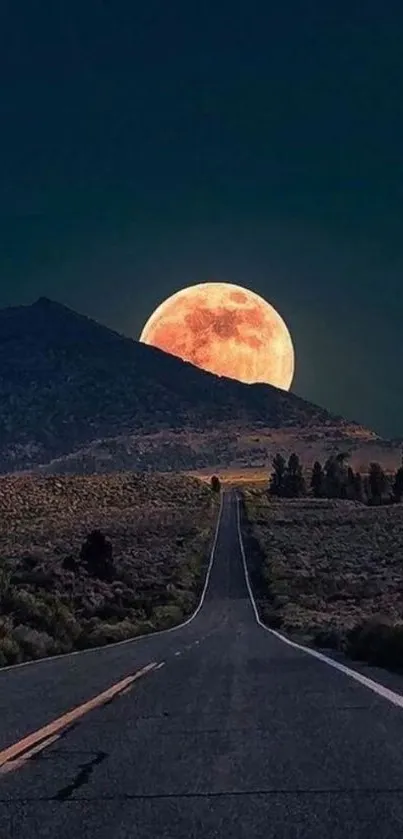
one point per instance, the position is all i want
(97, 559)
(168, 615)
(378, 643)
(107, 633)
(10, 652)
(33, 644)
(330, 571)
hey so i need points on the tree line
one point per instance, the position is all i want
(335, 479)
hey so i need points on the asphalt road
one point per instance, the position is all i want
(236, 735)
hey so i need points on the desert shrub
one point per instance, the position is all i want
(70, 563)
(128, 598)
(60, 598)
(37, 577)
(96, 555)
(185, 600)
(145, 626)
(169, 615)
(62, 624)
(25, 607)
(10, 652)
(330, 571)
(330, 637)
(107, 633)
(6, 625)
(47, 614)
(378, 643)
(33, 644)
(271, 616)
(111, 611)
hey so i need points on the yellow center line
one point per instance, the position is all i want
(12, 765)
(54, 728)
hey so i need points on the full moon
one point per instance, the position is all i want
(227, 330)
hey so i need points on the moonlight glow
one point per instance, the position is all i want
(227, 330)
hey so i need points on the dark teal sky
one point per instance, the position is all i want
(146, 147)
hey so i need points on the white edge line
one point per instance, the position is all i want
(137, 637)
(381, 690)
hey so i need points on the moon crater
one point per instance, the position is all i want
(227, 330)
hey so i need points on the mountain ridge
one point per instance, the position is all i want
(67, 380)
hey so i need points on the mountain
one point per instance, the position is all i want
(69, 385)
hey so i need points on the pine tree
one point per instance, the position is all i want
(318, 480)
(359, 488)
(215, 483)
(341, 460)
(332, 478)
(276, 486)
(377, 483)
(96, 554)
(336, 476)
(398, 485)
(351, 488)
(294, 481)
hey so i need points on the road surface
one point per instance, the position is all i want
(232, 734)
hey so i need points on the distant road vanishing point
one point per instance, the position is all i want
(218, 728)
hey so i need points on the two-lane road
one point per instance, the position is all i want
(232, 734)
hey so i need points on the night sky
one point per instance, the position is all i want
(147, 146)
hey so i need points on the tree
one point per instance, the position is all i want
(351, 487)
(317, 480)
(96, 554)
(341, 458)
(332, 478)
(359, 489)
(215, 483)
(377, 483)
(366, 488)
(341, 466)
(294, 481)
(336, 476)
(398, 485)
(276, 486)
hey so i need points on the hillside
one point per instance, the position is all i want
(56, 595)
(67, 382)
(329, 572)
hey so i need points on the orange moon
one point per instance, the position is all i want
(227, 330)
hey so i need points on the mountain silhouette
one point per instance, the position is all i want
(67, 381)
